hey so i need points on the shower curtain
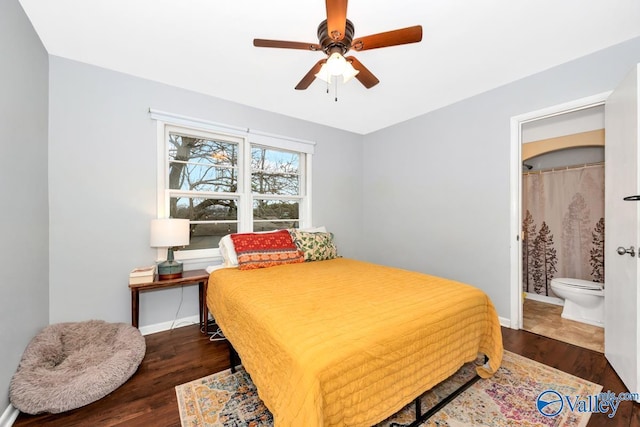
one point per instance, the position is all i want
(562, 227)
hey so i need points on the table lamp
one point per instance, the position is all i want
(169, 233)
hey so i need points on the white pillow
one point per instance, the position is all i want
(228, 251)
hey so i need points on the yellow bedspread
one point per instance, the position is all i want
(344, 342)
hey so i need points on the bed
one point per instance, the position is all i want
(345, 342)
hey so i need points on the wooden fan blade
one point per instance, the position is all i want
(286, 45)
(336, 18)
(311, 75)
(389, 38)
(365, 76)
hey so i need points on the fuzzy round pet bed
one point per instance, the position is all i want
(69, 365)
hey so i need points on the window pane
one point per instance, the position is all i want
(274, 171)
(201, 209)
(202, 164)
(274, 214)
(207, 236)
(196, 177)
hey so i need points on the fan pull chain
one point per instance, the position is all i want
(336, 89)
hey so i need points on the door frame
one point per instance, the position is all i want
(515, 173)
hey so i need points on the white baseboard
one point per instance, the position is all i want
(544, 298)
(504, 322)
(9, 416)
(165, 326)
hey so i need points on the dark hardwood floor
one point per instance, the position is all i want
(178, 356)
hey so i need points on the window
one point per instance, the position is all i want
(227, 180)
(275, 186)
(203, 183)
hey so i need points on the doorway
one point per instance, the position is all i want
(543, 126)
(563, 222)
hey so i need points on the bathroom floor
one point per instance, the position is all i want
(544, 319)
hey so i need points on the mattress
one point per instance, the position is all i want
(344, 342)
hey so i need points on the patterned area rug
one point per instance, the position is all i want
(508, 398)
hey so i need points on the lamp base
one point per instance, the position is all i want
(169, 270)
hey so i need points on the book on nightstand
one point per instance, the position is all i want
(142, 275)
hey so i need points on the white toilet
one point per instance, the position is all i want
(583, 300)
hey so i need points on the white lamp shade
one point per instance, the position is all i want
(323, 74)
(169, 232)
(349, 72)
(343, 68)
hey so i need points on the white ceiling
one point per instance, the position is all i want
(468, 47)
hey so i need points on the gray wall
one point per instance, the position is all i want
(440, 202)
(24, 287)
(102, 181)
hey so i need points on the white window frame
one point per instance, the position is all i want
(246, 138)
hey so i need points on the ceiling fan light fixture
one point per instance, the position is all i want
(336, 64)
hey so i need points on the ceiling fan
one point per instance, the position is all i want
(335, 39)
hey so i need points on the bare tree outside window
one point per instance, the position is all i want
(275, 173)
(203, 186)
(203, 169)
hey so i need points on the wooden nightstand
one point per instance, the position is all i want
(191, 277)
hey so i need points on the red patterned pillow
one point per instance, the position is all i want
(259, 250)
